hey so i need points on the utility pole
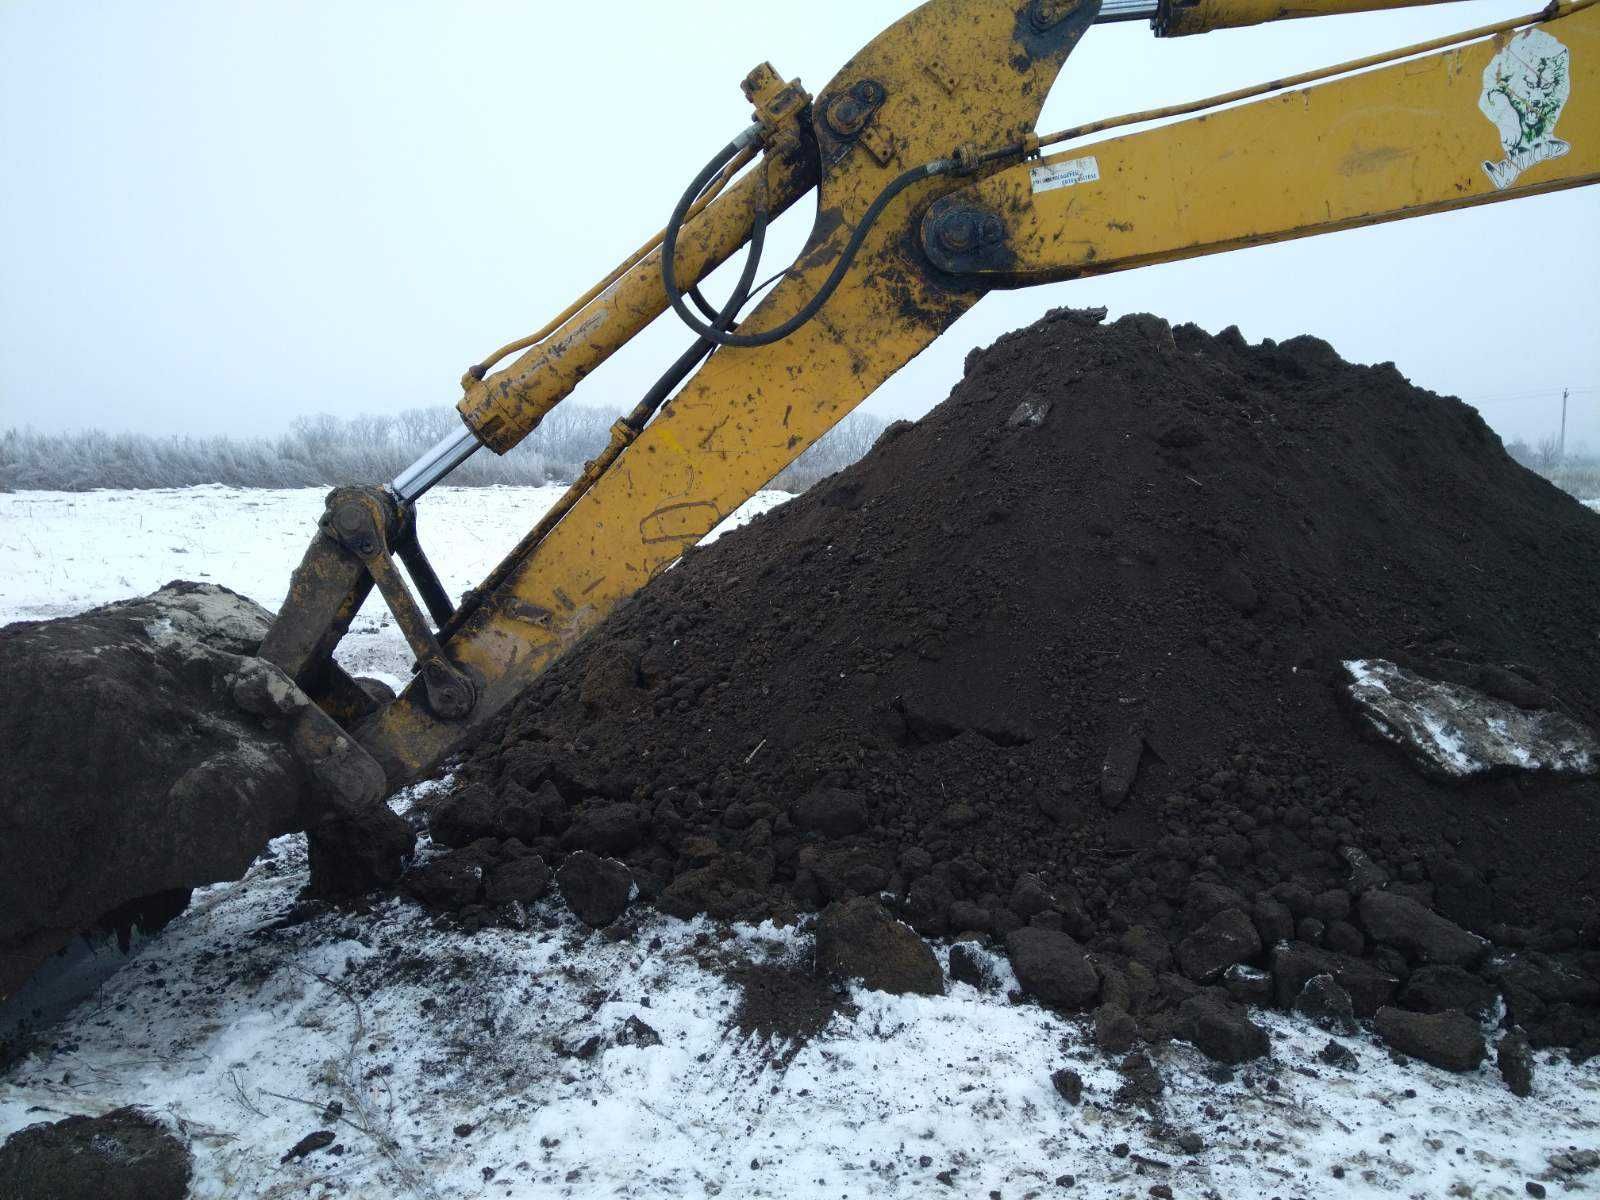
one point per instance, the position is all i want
(1562, 452)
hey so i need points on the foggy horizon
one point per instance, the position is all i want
(226, 217)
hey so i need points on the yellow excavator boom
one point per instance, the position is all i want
(931, 191)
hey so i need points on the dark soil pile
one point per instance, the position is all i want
(1066, 653)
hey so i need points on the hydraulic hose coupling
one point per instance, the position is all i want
(750, 137)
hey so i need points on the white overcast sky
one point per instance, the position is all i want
(221, 215)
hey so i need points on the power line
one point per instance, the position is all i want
(1526, 397)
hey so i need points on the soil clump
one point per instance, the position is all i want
(1062, 666)
(784, 1004)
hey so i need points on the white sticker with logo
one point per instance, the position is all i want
(1525, 87)
(1050, 176)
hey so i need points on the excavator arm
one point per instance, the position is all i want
(897, 129)
(1515, 113)
(930, 192)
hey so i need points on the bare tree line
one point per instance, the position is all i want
(1577, 471)
(325, 451)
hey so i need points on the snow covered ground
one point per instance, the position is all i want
(453, 1066)
(64, 552)
(522, 1063)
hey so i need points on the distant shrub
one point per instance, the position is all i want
(1577, 471)
(326, 451)
(1581, 479)
(316, 452)
(845, 443)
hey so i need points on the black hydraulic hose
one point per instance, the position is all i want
(721, 322)
(704, 305)
(663, 387)
(635, 420)
(823, 294)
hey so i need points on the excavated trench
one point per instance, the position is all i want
(1069, 655)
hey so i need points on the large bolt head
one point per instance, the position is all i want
(1047, 14)
(957, 232)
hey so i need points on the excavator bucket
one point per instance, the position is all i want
(151, 752)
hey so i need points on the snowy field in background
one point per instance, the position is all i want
(444, 1063)
(64, 552)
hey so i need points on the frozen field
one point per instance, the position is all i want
(515, 1063)
(63, 552)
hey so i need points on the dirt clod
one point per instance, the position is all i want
(1115, 1030)
(1221, 1029)
(310, 1144)
(1052, 967)
(1229, 937)
(1337, 1054)
(1435, 989)
(1068, 1084)
(969, 964)
(1327, 1004)
(785, 1002)
(596, 889)
(1514, 1057)
(856, 939)
(1423, 935)
(1451, 1040)
(129, 772)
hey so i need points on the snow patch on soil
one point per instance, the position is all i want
(1456, 732)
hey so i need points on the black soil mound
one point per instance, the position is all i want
(1067, 653)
